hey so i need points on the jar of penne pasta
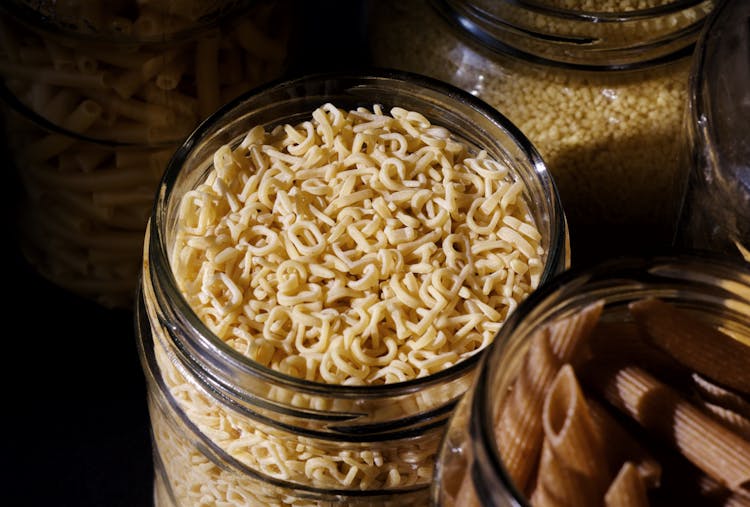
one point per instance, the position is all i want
(98, 95)
(599, 86)
(716, 210)
(623, 384)
(326, 260)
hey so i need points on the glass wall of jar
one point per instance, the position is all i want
(644, 360)
(599, 87)
(716, 210)
(97, 96)
(230, 423)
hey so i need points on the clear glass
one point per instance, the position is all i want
(600, 92)
(397, 427)
(716, 210)
(716, 290)
(92, 115)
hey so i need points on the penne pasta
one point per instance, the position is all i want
(466, 496)
(569, 334)
(44, 74)
(519, 431)
(79, 120)
(736, 422)
(558, 485)
(694, 343)
(133, 109)
(623, 446)
(627, 341)
(627, 489)
(710, 392)
(706, 443)
(570, 431)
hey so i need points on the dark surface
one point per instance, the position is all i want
(77, 422)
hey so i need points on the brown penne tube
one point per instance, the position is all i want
(569, 428)
(705, 442)
(569, 334)
(518, 430)
(718, 395)
(558, 485)
(466, 496)
(718, 495)
(519, 427)
(627, 341)
(734, 421)
(627, 489)
(696, 344)
(622, 446)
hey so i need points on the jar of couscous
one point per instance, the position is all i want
(716, 210)
(624, 383)
(599, 86)
(97, 96)
(326, 259)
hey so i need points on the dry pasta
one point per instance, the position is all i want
(351, 249)
(627, 489)
(631, 395)
(520, 433)
(359, 247)
(699, 346)
(708, 444)
(133, 94)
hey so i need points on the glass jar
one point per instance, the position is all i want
(96, 98)
(712, 290)
(599, 88)
(203, 393)
(716, 209)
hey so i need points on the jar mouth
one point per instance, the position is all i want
(580, 40)
(672, 275)
(290, 97)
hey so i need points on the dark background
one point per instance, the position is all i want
(74, 404)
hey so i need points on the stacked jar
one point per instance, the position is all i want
(326, 259)
(716, 210)
(97, 98)
(624, 383)
(600, 88)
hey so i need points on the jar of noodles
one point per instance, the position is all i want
(97, 96)
(716, 210)
(624, 383)
(325, 260)
(599, 86)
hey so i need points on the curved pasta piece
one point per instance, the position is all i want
(694, 343)
(708, 444)
(518, 429)
(627, 489)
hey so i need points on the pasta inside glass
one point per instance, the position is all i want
(336, 438)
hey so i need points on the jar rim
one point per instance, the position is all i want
(658, 267)
(575, 49)
(609, 16)
(358, 79)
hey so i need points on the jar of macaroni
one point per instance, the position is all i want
(97, 96)
(325, 261)
(716, 210)
(626, 380)
(599, 86)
